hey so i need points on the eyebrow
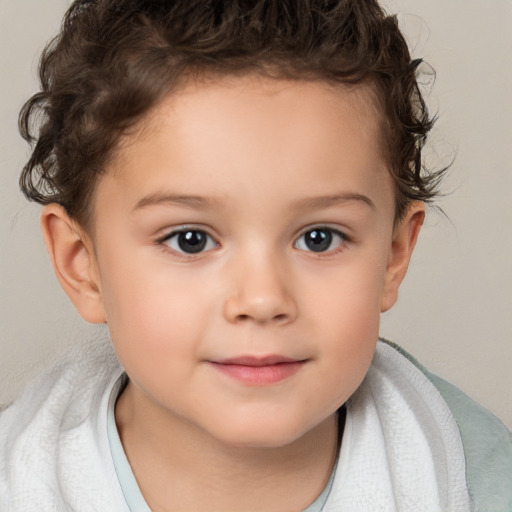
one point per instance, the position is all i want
(194, 202)
(317, 203)
(203, 203)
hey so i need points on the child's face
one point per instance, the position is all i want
(249, 219)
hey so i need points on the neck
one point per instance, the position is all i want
(206, 474)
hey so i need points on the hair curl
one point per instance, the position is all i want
(115, 59)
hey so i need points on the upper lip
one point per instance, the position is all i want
(258, 361)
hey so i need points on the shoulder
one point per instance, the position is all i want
(486, 440)
(52, 448)
(65, 391)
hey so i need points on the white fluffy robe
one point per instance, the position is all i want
(54, 451)
(401, 448)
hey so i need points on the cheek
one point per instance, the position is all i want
(155, 336)
(153, 313)
(347, 309)
(147, 308)
(348, 292)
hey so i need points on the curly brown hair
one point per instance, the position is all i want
(116, 59)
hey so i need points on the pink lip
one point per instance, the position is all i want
(259, 371)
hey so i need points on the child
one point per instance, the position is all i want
(235, 189)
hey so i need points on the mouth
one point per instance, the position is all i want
(259, 371)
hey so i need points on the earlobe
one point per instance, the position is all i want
(405, 235)
(72, 254)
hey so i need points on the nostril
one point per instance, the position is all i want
(277, 318)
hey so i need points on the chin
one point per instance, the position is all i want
(263, 434)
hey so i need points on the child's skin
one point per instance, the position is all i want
(255, 165)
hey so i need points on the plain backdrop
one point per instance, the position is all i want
(455, 308)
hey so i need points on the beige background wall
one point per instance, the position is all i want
(455, 310)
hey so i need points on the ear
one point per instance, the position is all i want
(72, 254)
(405, 235)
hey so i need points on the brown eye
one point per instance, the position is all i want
(320, 240)
(189, 241)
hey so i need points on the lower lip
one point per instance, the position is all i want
(259, 375)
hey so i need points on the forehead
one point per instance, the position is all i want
(257, 101)
(300, 135)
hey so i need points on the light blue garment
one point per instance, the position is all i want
(487, 445)
(127, 481)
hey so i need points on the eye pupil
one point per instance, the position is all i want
(192, 241)
(318, 240)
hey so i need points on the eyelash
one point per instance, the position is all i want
(332, 235)
(185, 230)
(328, 235)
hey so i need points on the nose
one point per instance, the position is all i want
(260, 293)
